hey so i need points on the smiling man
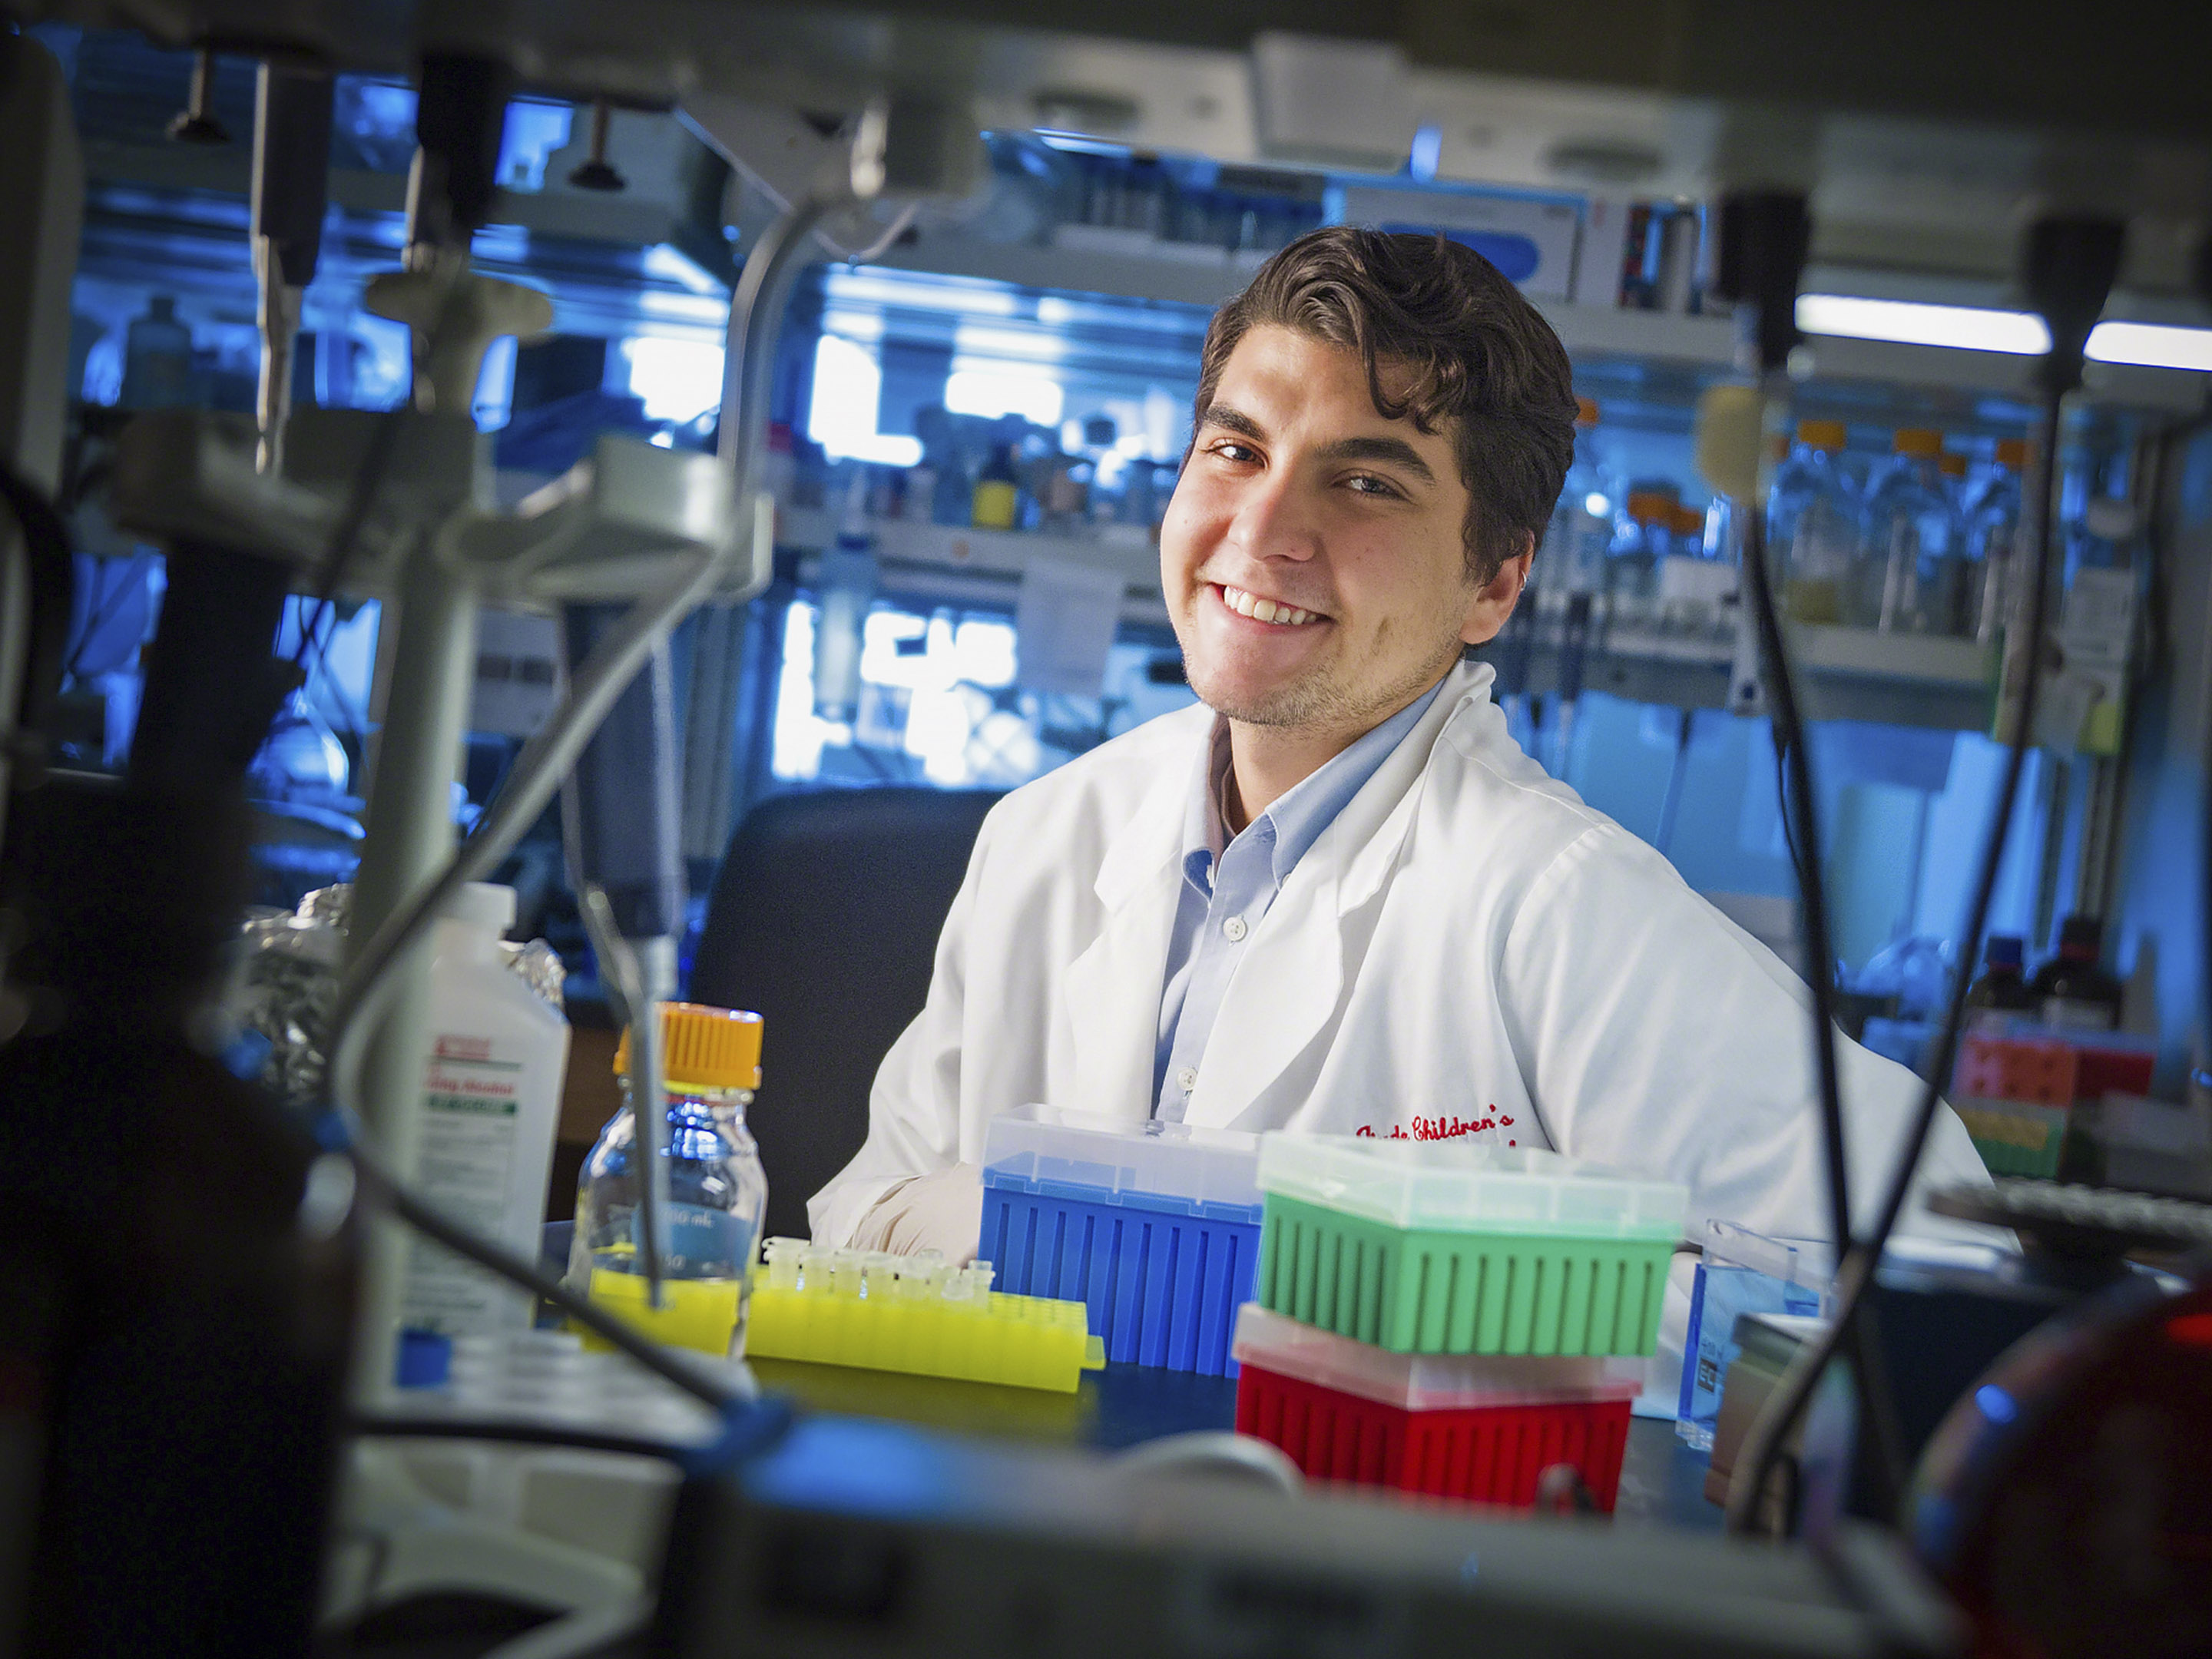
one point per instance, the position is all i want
(1335, 897)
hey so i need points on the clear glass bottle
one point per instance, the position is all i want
(1581, 533)
(1909, 558)
(1812, 518)
(717, 1190)
(1992, 526)
(157, 358)
(1645, 537)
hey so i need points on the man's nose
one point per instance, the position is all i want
(1274, 520)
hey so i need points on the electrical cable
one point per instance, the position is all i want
(2071, 267)
(1798, 800)
(385, 1425)
(51, 584)
(1763, 1442)
(756, 312)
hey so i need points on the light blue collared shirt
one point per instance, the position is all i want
(1227, 889)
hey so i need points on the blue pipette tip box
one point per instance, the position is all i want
(1154, 1227)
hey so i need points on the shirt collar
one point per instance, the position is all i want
(1295, 821)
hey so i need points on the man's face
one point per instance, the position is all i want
(1313, 557)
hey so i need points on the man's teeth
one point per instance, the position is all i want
(1265, 610)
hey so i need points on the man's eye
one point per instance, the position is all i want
(1366, 484)
(1230, 449)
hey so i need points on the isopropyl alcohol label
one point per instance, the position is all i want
(471, 1117)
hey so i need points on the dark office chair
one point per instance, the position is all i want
(825, 921)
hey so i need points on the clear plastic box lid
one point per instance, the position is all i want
(1453, 1186)
(1427, 1383)
(1102, 1160)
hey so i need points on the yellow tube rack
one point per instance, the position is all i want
(913, 1314)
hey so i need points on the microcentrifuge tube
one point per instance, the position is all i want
(783, 1258)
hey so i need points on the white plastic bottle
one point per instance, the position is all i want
(491, 1106)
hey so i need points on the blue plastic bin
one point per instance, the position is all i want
(1141, 1223)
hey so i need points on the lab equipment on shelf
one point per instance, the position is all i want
(2072, 990)
(1813, 516)
(1909, 577)
(1991, 517)
(1154, 1227)
(490, 1104)
(1479, 1428)
(2017, 1082)
(1741, 1272)
(717, 1190)
(1573, 557)
(2001, 988)
(1450, 1247)
(916, 1313)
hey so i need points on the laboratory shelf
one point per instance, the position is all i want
(1181, 273)
(1127, 549)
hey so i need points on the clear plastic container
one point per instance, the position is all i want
(1992, 528)
(1645, 537)
(489, 1108)
(1910, 571)
(1573, 558)
(1812, 525)
(1426, 1382)
(1741, 1272)
(1162, 1166)
(717, 1189)
(1458, 1186)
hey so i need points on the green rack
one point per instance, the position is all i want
(1460, 1249)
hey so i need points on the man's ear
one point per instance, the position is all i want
(1494, 602)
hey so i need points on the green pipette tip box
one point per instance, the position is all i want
(1427, 1246)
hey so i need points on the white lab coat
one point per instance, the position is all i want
(1466, 945)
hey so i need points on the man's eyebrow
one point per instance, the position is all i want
(1232, 420)
(1395, 451)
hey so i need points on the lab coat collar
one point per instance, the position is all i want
(1286, 989)
(1151, 841)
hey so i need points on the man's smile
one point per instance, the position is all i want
(1274, 612)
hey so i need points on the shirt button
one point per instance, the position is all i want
(1236, 929)
(1187, 1078)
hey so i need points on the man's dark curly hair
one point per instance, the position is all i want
(1481, 359)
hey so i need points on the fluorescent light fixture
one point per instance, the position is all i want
(2020, 333)
(2153, 345)
(1965, 328)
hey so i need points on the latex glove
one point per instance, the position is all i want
(940, 1212)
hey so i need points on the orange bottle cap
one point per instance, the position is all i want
(1821, 434)
(1917, 441)
(706, 1048)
